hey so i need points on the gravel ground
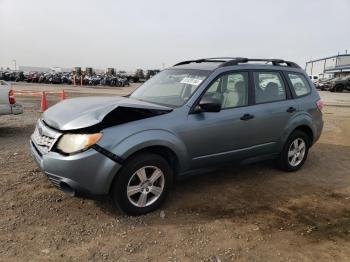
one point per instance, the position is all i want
(245, 213)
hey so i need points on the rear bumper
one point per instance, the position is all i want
(85, 174)
(318, 127)
(16, 109)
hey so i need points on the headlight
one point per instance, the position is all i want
(73, 143)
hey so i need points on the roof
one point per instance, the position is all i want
(217, 62)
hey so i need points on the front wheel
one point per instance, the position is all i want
(142, 184)
(295, 151)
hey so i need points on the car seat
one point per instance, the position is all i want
(271, 92)
(234, 97)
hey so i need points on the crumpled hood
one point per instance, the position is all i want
(77, 113)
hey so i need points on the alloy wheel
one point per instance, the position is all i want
(296, 152)
(145, 186)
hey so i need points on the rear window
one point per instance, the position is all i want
(300, 84)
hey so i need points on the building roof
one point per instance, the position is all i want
(329, 57)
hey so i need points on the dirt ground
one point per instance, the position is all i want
(245, 213)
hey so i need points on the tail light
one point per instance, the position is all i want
(12, 99)
(320, 105)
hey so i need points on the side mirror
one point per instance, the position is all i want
(208, 104)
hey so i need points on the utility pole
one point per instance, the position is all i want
(14, 60)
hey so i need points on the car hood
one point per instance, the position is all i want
(79, 113)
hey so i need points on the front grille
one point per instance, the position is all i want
(42, 141)
(44, 137)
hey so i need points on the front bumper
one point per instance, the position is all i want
(89, 173)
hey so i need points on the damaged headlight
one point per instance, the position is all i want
(73, 143)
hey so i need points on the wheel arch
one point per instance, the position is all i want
(167, 153)
(308, 131)
(159, 142)
(303, 123)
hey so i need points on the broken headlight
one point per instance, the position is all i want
(74, 143)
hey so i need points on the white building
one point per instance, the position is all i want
(327, 67)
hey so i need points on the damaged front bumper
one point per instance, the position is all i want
(89, 173)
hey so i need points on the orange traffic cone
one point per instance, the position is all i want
(63, 95)
(44, 105)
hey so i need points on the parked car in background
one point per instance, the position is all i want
(195, 115)
(314, 78)
(8, 103)
(323, 84)
(339, 84)
(119, 79)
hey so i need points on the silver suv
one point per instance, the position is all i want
(194, 115)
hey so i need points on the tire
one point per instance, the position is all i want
(338, 88)
(128, 179)
(285, 160)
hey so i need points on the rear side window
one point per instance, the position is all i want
(299, 84)
(269, 87)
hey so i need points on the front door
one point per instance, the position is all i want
(213, 137)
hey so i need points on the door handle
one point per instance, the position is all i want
(291, 109)
(246, 117)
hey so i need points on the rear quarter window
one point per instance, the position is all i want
(299, 84)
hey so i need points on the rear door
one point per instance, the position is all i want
(273, 108)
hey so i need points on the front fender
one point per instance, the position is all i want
(300, 119)
(153, 137)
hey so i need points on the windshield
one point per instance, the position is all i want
(171, 87)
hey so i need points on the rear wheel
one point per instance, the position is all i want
(143, 184)
(338, 88)
(295, 151)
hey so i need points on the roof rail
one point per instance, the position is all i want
(232, 61)
(275, 62)
(214, 60)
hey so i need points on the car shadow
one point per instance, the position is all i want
(261, 190)
(14, 131)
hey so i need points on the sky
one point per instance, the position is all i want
(151, 34)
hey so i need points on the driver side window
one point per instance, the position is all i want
(230, 89)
